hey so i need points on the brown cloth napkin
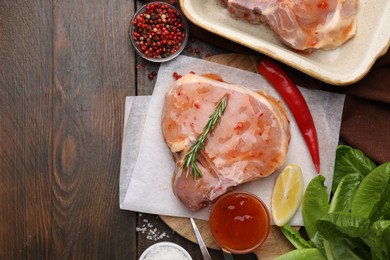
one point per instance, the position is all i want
(366, 117)
(365, 123)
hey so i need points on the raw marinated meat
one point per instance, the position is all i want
(249, 142)
(301, 24)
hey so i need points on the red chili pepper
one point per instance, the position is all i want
(295, 101)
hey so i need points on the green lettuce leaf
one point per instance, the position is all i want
(379, 239)
(314, 204)
(342, 234)
(383, 209)
(341, 223)
(356, 222)
(339, 249)
(342, 198)
(380, 226)
(370, 192)
(295, 237)
(350, 160)
(318, 242)
(302, 254)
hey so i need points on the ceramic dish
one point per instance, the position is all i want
(342, 66)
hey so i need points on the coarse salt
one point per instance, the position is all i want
(166, 253)
(151, 232)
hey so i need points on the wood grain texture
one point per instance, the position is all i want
(91, 80)
(66, 68)
(26, 125)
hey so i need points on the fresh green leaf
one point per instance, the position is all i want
(369, 194)
(383, 209)
(302, 254)
(350, 160)
(379, 239)
(318, 242)
(295, 237)
(338, 249)
(327, 229)
(314, 204)
(342, 234)
(345, 223)
(342, 198)
(331, 231)
(380, 226)
(386, 241)
(356, 224)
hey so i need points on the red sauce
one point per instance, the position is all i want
(239, 222)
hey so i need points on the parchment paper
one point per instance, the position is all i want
(147, 164)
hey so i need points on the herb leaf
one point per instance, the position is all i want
(190, 157)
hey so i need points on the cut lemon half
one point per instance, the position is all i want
(287, 194)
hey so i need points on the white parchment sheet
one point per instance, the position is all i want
(147, 164)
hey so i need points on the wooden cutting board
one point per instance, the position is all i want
(276, 244)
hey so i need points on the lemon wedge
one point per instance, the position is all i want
(287, 194)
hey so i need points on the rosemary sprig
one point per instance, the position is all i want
(190, 157)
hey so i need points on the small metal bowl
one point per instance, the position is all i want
(183, 44)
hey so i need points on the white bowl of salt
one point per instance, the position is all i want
(165, 251)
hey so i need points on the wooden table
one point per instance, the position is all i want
(65, 70)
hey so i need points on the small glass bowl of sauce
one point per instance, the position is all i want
(239, 222)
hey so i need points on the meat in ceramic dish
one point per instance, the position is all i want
(301, 24)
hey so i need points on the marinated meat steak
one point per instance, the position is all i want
(301, 24)
(249, 142)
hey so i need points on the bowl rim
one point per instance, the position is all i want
(164, 244)
(183, 43)
(267, 215)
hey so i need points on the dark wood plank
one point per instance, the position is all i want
(26, 124)
(145, 86)
(93, 72)
(148, 223)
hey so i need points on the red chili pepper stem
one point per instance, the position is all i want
(296, 103)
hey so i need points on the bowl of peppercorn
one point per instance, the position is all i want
(159, 31)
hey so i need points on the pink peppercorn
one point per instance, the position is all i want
(176, 75)
(158, 31)
(152, 74)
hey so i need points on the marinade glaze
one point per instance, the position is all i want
(249, 142)
(239, 222)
